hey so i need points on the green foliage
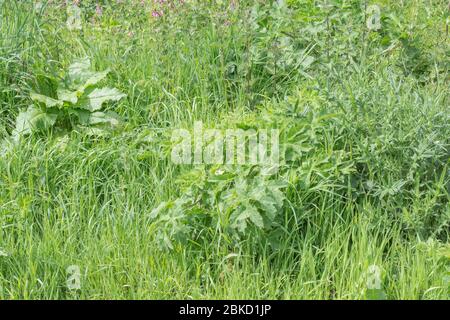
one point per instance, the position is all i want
(232, 199)
(249, 202)
(77, 104)
(363, 178)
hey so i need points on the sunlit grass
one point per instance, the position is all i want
(69, 199)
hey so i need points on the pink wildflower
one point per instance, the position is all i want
(157, 14)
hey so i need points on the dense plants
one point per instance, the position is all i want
(73, 101)
(363, 183)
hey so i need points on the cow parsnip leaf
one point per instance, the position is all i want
(82, 115)
(246, 214)
(255, 216)
(78, 103)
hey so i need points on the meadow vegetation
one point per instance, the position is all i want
(86, 177)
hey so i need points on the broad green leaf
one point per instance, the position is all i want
(67, 95)
(83, 116)
(94, 79)
(97, 97)
(34, 119)
(97, 123)
(79, 71)
(249, 213)
(49, 102)
(108, 117)
(255, 217)
(81, 76)
(268, 204)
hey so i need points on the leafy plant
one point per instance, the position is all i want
(235, 199)
(248, 202)
(77, 103)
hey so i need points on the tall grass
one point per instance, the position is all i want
(78, 200)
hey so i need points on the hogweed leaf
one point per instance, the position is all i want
(82, 115)
(255, 217)
(157, 211)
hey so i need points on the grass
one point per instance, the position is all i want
(71, 199)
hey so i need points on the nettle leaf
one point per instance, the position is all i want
(47, 101)
(33, 119)
(97, 97)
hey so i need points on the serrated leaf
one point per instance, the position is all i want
(248, 213)
(255, 217)
(156, 211)
(48, 101)
(269, 206)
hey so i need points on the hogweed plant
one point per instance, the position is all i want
(237, 186)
